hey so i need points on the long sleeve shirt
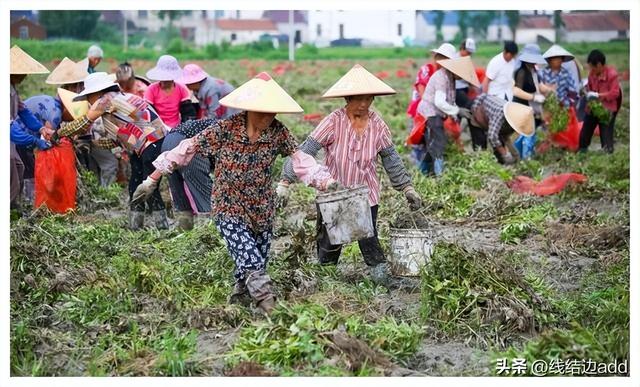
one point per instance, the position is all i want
(565, 87)
(492, 109)
(351, 158)
(607, 86)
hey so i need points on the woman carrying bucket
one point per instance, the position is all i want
(244, 148)
(353, 137)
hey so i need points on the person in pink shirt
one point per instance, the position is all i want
(170, 99)
(353, 137)
(603, 85)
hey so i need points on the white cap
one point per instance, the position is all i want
(470, 45)
(95, 52)
(446, 49)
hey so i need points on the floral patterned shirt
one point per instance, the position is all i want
(242, 175)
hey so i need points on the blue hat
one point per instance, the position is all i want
(531, 54)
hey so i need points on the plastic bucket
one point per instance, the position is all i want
(410, 250)
(346, 214)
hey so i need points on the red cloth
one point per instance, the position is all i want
(422, 78)
(608, 87)
(453, 130)
(55, 178)
(549, 186)
(417, 133)
(570, 137)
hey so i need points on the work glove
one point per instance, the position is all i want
(415, 202)
(282, 194)
(593, 95)
(464, 113)
(144, 190)
(334, 185)
(539, 98)
(42, 144)
(508, 158)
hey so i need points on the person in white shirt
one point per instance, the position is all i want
(499, 74)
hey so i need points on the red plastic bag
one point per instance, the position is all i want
(417, 133)
(549, 186)
(55, 178)
(570, 138)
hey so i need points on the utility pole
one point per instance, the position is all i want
(126, 35)
(291, 31)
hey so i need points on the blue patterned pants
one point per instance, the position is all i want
(248, 249)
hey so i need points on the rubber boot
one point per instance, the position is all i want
(260, 288)
(136, 220)
(240, 294)
(185, 220)
(438, 166)
(381, 274)
(160, 219)
(29, 191)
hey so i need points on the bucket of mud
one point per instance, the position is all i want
(346, 214)
(410, 250)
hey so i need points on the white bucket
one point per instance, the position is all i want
(346, 214)
(410, 250)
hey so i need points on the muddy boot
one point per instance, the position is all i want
(259, 285)
(381, 274)
(185, 220)
(29, 191)
(136, 220)
(438, 166)
(160, 219)
(240, 294)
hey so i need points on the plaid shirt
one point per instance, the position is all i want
(563, 80)
(493, 108)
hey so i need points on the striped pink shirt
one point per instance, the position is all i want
(352, 158)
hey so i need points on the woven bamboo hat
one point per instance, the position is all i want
(520, 118)
(67, 72)
(462, 67)
(23, 63)
(261, 94)
(557, 50)
(77, 109)
(358, 81)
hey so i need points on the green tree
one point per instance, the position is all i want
(480, 22)
(69, 24)
(170, 16)
(513, 19)
(558, 24)
(463, 23)
(438, 21)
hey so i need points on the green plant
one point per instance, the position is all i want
(559, 115)
(519, 224)
(602, 114)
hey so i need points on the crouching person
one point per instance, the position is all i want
(244, 148)
(499, 119)
(353, 137)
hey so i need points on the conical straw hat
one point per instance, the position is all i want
(462, 67)
(77, 109)
(22, 63)
(67, 72)
(520, 118)
(358, 81)
(557, 50)
(261, 94)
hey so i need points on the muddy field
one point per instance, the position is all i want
(511, 276)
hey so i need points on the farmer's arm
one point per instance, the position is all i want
(391, 160)
(205, 143)
(82, 124)
(19, 135)
(613, 87)
(321, 137)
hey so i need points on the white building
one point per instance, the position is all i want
(601, 26)
(281, 20)
(426, 31)
(242, 31)
(531, 29)
(390, 27)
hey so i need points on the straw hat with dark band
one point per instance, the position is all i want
(22, 63)
(520, 118)
(462, 67)
(358, 81)
(261, 94)
(76, 109)
(67, 72)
